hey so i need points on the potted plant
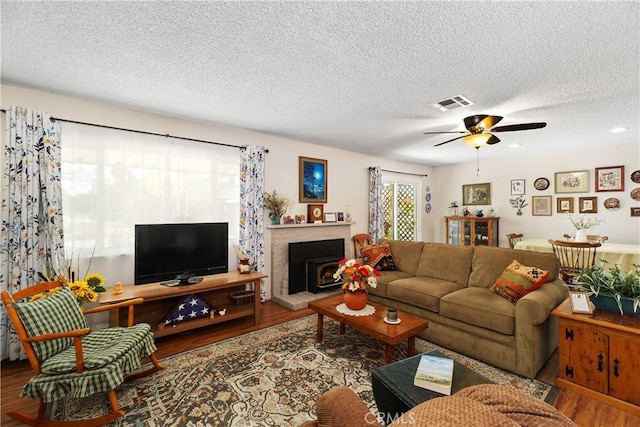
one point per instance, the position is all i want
(355, 278)
(612, 288)
(582, 223)
(277, 204)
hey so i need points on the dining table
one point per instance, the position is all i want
(620, 254)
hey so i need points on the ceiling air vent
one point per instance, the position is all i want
(452, 103)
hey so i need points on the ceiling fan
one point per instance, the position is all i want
(480, 128)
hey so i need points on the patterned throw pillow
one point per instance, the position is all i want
(59, 312)
(517, 280)
(378, 256)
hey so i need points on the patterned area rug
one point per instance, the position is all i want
(268, 377)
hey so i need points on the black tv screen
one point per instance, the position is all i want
(164, 251)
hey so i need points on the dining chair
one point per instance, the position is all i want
(359, 241)
(594, 238)
(67, 358)
(574, 258)
(514, 238)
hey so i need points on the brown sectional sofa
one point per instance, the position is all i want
(449, 286)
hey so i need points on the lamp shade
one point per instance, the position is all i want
(477, 140)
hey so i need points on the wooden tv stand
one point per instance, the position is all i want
(159, 300)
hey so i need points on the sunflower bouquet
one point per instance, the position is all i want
(85, 291)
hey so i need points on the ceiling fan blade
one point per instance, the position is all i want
(483, 121)
(436, 133)
(493, 140)
(521, 126)
(445, 142)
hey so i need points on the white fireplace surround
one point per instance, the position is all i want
(281, 236)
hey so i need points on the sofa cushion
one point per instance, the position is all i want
(385, 278)
(489, 262)
(446, 262)
(480, 307)
(517, 280)
(378, 256)
(58, 312)
(423, 292)
(406, 255)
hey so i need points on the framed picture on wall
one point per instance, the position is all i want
(476, 194)
(564, 205)
(610, 178)
(572, 182)
(517, 187)
(313, 180)
(541, 205)
(588, 204)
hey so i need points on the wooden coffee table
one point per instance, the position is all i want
(372, 325)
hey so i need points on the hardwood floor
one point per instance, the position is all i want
(584, 411)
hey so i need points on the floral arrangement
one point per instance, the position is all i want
(519, 202)
(355, 276)
(582, 222)
(276, 203)
(85, 290)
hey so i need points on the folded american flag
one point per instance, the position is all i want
(190, 308)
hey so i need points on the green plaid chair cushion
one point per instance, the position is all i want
(101, 348)
(59, 312)
(50, 387)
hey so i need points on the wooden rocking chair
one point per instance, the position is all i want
(70, 360)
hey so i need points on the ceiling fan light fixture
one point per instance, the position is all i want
(477, 140)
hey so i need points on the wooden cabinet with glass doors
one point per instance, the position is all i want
(472, 230)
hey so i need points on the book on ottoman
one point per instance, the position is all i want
(434, 373)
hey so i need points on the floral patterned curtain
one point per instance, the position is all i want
(31, 237)
(252, 160)
(376, 210)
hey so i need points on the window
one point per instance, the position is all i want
(400, 208)
(112, 180)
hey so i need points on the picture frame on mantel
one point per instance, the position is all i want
(313, 180)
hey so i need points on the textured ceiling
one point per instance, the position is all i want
(352, 75)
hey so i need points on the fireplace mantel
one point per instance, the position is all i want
(281, 236)
(319, 224)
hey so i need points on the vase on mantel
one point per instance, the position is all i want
(581, 235)
(275, 218)
(355, 300)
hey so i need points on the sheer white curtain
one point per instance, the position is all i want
(112, 180)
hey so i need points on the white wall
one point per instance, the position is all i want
(620, 226)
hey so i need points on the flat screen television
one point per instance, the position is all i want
(180, 251)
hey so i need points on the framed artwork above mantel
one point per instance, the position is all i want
(313, 180)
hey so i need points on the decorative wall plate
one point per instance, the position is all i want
(635, 176)
(427, 208)
(612, 203)
(428, 197)
(635, 194)
(541, 184)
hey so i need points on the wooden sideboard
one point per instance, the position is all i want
(599, 356)
(159, 300)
